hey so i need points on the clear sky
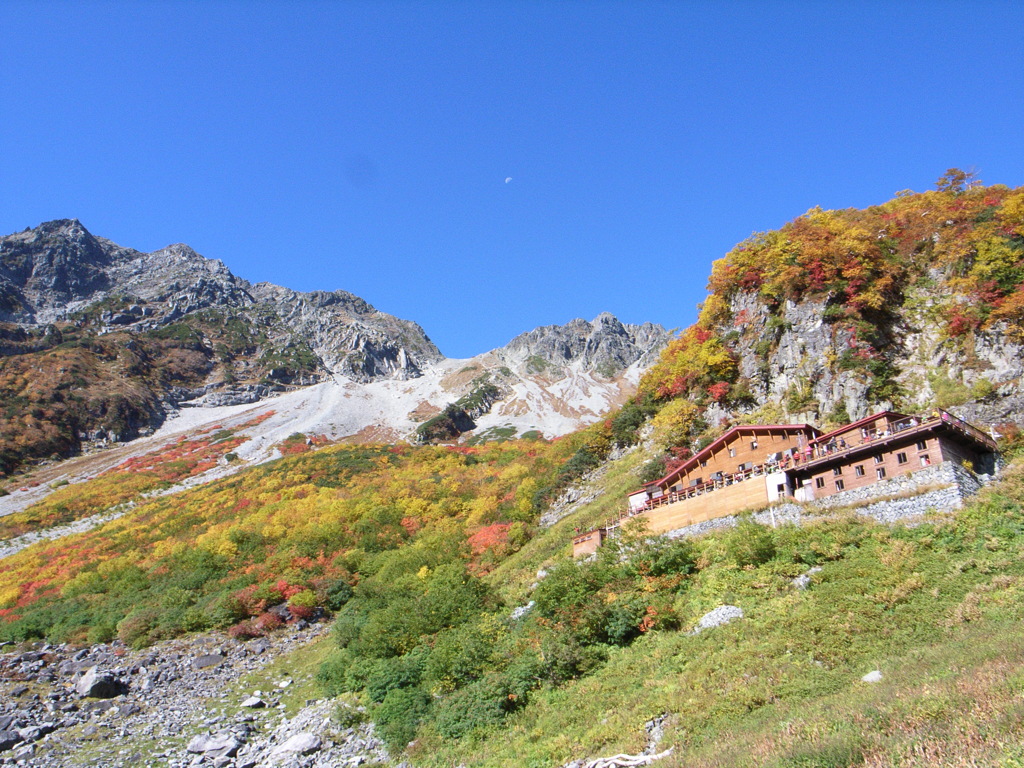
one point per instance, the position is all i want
(484, 168)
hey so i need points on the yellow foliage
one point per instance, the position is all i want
(226, 548)
(481, 510)
(274, 531)
(524, 496)
(1012, 213)
(9, 596)
(673, 423)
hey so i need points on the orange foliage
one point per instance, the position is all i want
(488, 538)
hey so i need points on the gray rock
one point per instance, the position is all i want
(8, 740)
(522, 610)
(300, 744)
(208, 660)
(721, 615)
(803, 581)
(874, 676)
(254, 702)
(24, 752)
(100, 685)
(221, 745)
(30, 734)
(605, 345)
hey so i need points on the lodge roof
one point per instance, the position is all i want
(692, 462)
(859, 423)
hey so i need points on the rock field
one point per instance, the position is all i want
(174, 704)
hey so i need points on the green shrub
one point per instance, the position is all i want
(401, 672)
(101, 633)
(652, 470)
(399, 715)
(568, 585)
(137, 628)
(659, 556)
(337, 593)
(484, 703)
(460, 656)
(749, 544)
(348, 715)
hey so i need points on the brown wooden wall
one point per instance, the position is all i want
(587, 543)
(855, 435)
(722, 461)
(889, 462)
(749, 494)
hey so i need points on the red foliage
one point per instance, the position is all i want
(245, 630)
(718, 391)
(301, 611)
(411, 524)
(650, 619)
(267, 622)
(960, 322)
(294, 447)
(489, 537)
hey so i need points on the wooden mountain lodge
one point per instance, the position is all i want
(750, 467)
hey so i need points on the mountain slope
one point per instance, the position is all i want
(102, 343)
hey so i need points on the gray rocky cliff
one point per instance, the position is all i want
(605, 346)
(351, 337)
(816, 368)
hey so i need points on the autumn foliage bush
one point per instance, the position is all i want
(293, 533)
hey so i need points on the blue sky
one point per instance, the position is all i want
(365, 146)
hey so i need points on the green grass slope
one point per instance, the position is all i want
(935, 607)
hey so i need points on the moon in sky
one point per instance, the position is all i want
(508, 179)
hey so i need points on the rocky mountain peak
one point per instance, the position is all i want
(56, 263)
(604, 345)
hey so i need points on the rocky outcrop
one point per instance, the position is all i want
(605, 346)
(57, 263)
(122, 339)
(351, 337)
(797, 355)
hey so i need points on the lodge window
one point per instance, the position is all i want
(878, 459)
(839, 485)
(819, 482)
(922, 445)
(753, 445)
(859, 470)
(925, 461)
(901, 458)
(880, 472)
(732, 453)
(703, 464)
(837, 471)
